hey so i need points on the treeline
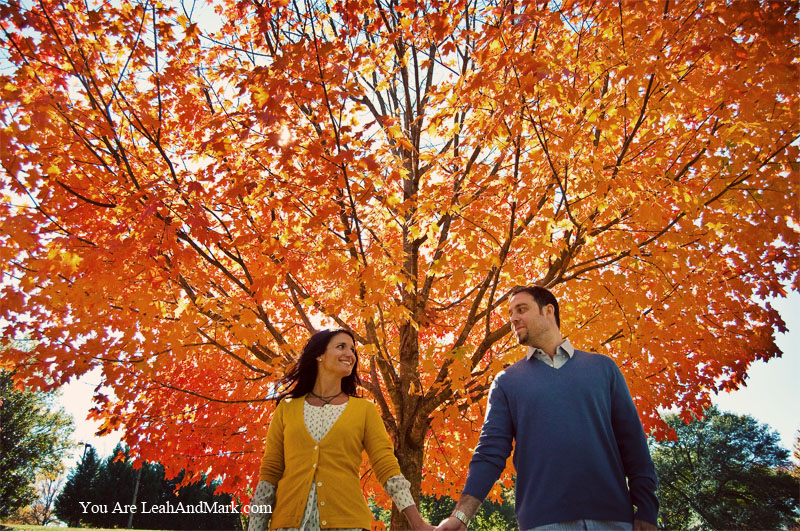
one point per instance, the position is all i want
(724, 471)
(100, 493)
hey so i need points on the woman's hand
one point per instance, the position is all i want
(415, 519)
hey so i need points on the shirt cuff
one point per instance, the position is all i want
(399, 488)
(264, 495)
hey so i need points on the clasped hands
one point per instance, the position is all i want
(451, 524)
(448, 524)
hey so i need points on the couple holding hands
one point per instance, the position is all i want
(581, 454)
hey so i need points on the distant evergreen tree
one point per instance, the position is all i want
(114, 484)
(81, 486)
(193, 495)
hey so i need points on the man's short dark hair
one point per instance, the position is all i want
(542, 296)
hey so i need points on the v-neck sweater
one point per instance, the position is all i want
(292, 458)
(580, 452)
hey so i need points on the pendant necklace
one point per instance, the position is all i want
(325, 399)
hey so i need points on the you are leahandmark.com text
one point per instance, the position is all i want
(175, 508)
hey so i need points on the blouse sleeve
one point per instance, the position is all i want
(399, 488)
(261, 506)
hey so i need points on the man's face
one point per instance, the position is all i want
(528, 321)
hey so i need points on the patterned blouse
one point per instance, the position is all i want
(319, 420)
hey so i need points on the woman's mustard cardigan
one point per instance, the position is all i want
(292, 459)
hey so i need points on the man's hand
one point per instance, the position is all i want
(468, 505)
(641, 525)
(451, 524)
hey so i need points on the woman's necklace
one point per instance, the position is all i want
(325, 399)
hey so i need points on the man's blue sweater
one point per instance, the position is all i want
(578, 437)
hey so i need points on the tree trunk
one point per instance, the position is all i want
(410, 456)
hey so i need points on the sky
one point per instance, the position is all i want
(771, 396)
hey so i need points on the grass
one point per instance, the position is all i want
(26, 527)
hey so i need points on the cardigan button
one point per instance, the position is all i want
(322, 503)
(316, 448)
(314, 465)
(319, 484)
(324, 522)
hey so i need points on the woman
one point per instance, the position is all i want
(310, 470)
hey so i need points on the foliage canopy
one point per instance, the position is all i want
(182, 205)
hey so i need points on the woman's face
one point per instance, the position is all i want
(339, 357)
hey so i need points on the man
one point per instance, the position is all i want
(581, 454)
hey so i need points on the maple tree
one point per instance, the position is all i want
(184, 204)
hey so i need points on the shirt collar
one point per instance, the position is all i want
(566, 348)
